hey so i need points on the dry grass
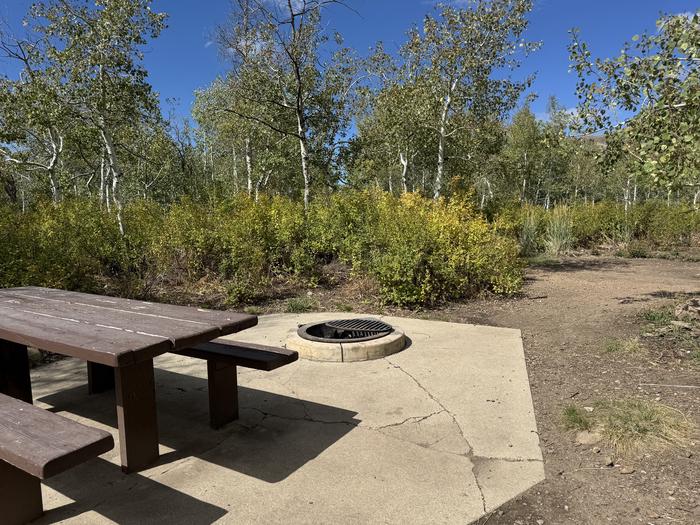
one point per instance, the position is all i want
(629, 346)
(634, 425)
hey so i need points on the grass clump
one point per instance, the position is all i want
(253, 310)
(633, 425)
(628, 346)
(559, 237)
(660, 317)
(529, 244)
(298, 305)
(576, 419)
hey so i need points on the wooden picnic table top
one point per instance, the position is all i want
(108, 330)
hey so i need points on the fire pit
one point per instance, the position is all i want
(346, 340)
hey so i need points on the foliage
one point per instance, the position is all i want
(68, 246)
(420, 251)
(637, 230)
(656, 79)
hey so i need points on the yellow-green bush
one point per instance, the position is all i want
(419, 250)
(66, 245)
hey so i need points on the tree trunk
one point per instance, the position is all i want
(235, 170)
(116, 173)
(102, 180)
(304, 154)
(404, 171)
(442, 137)
(249, 165)
(56, 150)
(305, 170)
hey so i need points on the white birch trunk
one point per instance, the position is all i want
(235, 170)
(404, 170)
(304, 153)
(442, 137)
(249, 165)
(116, 173)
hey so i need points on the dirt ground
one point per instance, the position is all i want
(568, 311)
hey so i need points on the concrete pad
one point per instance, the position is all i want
(441, 432)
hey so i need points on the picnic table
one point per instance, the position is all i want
(119, 336)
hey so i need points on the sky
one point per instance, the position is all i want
(184, 58)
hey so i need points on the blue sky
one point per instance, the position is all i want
(183, 58)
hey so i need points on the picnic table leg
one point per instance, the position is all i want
(223, 393)
(20, 498)
(100, 378)
(14, 371)
(136, 415)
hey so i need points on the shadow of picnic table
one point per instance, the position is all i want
(274, 437)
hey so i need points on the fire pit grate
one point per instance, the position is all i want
(345, 330)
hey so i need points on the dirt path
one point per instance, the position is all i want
(568, 312)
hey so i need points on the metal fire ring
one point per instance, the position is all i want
(345, 330)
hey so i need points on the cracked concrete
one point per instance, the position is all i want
(442, 432)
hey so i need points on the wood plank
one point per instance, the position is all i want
(136, 415)
(100, 378)
(44, 444)
(226, 321)
(15, 380)
(65, 336)
(179, 332)
(248, 355)
(20, 497)
(223, 393)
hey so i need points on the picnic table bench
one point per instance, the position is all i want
(121, 334)
(34, 445)
(223, 356)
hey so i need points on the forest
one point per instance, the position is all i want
(424, 171)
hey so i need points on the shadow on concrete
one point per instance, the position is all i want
(274, 436)
(577, 265)
(100, 486)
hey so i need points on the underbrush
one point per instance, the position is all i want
(419, 251)
(643, 230)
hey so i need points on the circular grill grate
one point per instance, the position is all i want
(345, 330)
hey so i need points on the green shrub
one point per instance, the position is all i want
(68, 245)
(429, 251)
(420, 251)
